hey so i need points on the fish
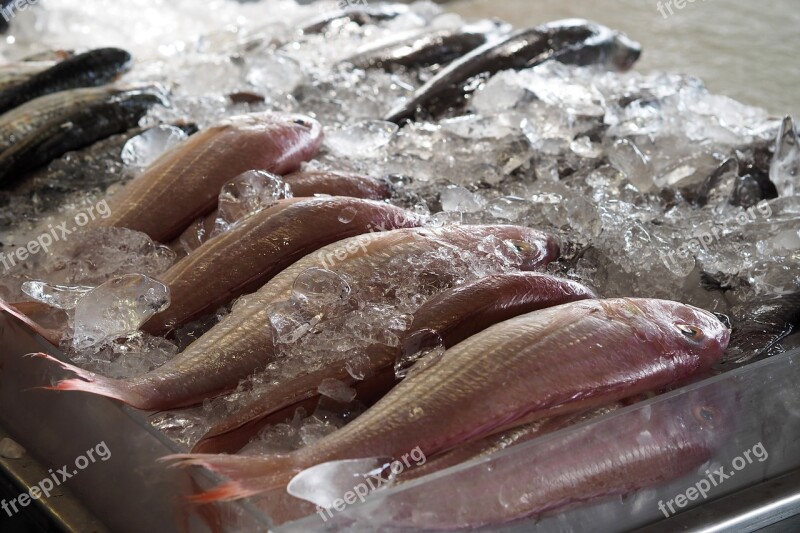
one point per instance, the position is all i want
(262, 245)
(556, 361)
(302, 184)
(242, 344)
(447, 318)
(15, 73)
(758, 328)
(188, 178)
(359, 15)
(18, 124)
(622, 454)
(311, 182)
(90, 69)
(83, 127)
(94, 167)
(423, 49)
(570, 41)
(56, 55)
(500, 441)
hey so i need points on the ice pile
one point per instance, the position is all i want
(657, 187)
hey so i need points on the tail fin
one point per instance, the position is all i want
(96, 384)
(249, 475)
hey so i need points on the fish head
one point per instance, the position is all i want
(624, 51)
(709, 411)
(117, 58)
(692, 338)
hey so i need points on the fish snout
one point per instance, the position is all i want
(626, 52)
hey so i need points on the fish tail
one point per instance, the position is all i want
(248, 475)
(96, 384)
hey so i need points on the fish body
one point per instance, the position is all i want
(421, 49)
(571, 41)
(359, 15)
(22, 121)
(565, 359)
(500, 441)
(449, 317)
(309, 183)
(621, 455)
(83, 127)
(90, 69)
(302, 184)
(262, 245)
(15, 73)
(188, 178)
(242, 343)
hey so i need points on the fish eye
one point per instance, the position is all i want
(521, 246)
(691, 332)
(704, 413)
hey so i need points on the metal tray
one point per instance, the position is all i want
(132, 492)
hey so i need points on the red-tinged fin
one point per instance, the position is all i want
(249, 475)
(18, 310)
(95, 384)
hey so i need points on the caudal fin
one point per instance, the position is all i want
(96, 384)
(249, 475)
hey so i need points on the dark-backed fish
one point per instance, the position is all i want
(15, 73)
(21, 122)
(570, 41)
(561, 360)
(90, 69)
(83, 127)
(359, 15)
(424, 49)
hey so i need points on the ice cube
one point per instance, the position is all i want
(336, 390)
(626, 157)
(140, 151)
(92, 256)
(247, 194)
(459, 199)
(784, 171)
(59, 296)
(116, 308)
(274, 72)
(362, 139)
(319, 287)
